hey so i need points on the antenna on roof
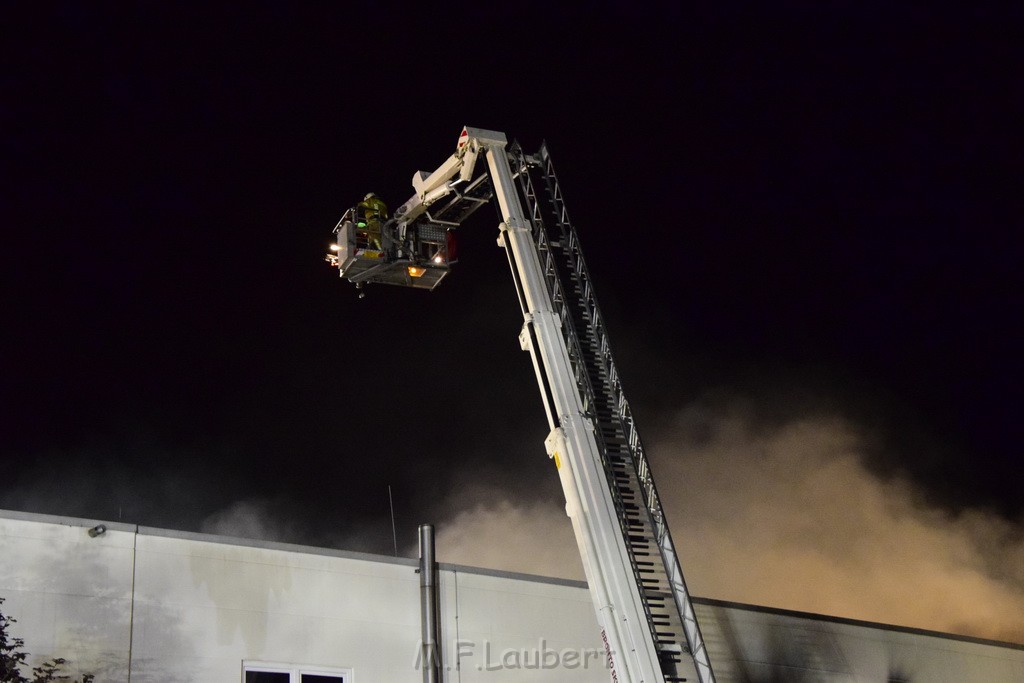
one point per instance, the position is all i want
(394, 535)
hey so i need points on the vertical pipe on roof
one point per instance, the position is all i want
(430, 651)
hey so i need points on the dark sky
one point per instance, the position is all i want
(808, 209)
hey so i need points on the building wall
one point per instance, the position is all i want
(71, 594)
(214, 605)
(499, 628)
(753, 644)
(166, 606)
(203, 605)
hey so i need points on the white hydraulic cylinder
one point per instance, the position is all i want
(572, 444)
(444, 173)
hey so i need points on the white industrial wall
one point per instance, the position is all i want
(518, 630)
(212, 605)
(203, 605)
(71, 594)
(174, 606)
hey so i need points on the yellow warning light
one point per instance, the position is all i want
(416, 272)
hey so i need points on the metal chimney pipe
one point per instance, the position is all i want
(430, 651)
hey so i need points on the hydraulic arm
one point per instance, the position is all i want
(649, 627)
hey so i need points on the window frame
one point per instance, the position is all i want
(295, 671)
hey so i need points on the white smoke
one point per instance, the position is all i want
(536, 539)
(787, 516)
(252, 518)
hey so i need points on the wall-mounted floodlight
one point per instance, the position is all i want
(97, 530)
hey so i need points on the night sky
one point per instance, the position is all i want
(803, 223)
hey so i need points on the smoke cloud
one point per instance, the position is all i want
(786, 516)
(534, 538)
(776, 512)
(254, 518)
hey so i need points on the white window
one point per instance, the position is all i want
(267, 672)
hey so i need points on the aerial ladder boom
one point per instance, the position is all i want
(648, 625)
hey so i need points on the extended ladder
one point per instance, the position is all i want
(648, 624)
(655, 565)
